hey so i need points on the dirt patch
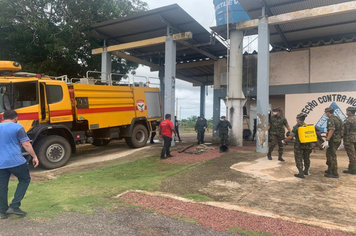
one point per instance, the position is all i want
(222, 219)
(188, 158)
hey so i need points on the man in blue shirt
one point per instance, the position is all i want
(12, 137)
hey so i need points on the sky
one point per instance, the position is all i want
(188, 96)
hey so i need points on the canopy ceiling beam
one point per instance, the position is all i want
(201, 51)
(189, 65)
(143, 43)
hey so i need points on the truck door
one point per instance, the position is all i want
(43, 105)
(22, 96)
(59, 103)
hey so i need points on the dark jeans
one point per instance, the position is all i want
(22, 173)
(153, 136)
(177, 131)
(166, 145)
(200, 136)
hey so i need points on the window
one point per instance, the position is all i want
(54, 94)
(25, 94)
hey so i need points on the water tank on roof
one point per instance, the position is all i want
(236, 12)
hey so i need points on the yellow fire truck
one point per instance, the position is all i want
(58, 115)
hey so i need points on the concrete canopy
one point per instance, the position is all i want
(195, 57)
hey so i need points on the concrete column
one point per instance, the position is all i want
(262, 85)
(202, 100)
(106, 67)
(236, 98)
(170, 77)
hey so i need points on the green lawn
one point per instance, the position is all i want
(84, 192)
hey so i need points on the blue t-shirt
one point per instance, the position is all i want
(11, 137)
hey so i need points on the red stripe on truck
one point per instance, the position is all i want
(103, 110)
(61, 113)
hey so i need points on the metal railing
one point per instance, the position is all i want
(125, 80)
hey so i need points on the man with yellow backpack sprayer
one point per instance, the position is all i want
(301, 150)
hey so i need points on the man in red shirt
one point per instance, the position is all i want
(166, 128)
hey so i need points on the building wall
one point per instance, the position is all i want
(333, 63)
(314, 65)
(289, 67)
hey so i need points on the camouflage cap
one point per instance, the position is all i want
(223, 117)
(300, 115)
(329, 109)
(276, 109)
(351, 109)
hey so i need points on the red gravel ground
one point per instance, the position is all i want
(224, 220)
(186, 158)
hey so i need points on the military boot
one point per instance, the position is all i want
(269, 155)
(351, 170)
(301, 174)
(280, 157)
(333, 174)
(348, 170)
(306, 170)
(328, 171)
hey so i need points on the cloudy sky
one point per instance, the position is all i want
(188, 96)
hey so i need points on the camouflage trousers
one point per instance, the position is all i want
(301, 155)
(331, 158)
(276, 139)
(351, 153)
(223, 138)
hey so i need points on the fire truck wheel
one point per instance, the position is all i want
(101, 142)
(52, 151)
(139, 137)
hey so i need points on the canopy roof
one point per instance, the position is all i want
(152, 24)
(338, 27)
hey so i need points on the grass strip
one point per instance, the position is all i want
(86, 191)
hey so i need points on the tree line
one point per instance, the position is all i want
(190, 122)
(53, 37)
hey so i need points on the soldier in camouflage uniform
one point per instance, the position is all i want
(223, 127)
(276, 130)
(301, 150)
(333, 140)
(350, 139)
